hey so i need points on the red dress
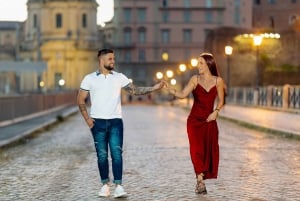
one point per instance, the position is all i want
(203, 136)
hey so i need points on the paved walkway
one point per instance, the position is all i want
(278, 122)
(61, 164)
(286, 123)
(16, 131)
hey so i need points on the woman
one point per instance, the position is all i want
(202, 127)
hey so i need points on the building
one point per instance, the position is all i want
(10, 38)
(157, 35)
(16, 76)
(276, 15)
(281, 16)
(21, 77)
(65, 35)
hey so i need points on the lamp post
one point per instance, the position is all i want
(257, 40)
(228, 52)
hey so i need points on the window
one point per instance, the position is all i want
(127, 56)
(142, 34)
(187, 3)
(272, 1)
(187, 35)
(208, 16)
(127, 14)
(58, 20)
(257, 2)
(34, 21)
(165, 16)
(272, 23)
(208, 3)
(141, 14)
(84, 21)
(165, 35)
(165, 3)
(127, 35)
(187, 16)
(293, 18)
(142, 55)
(237, 16)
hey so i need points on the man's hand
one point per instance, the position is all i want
(158, 85)
(90, 122)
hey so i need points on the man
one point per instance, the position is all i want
(105, 118)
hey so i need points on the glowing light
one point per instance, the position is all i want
(61, 82)
(228, 50)
(194, 62)
(173, 81)
(169, 73)
(182, 67)
(159, 75)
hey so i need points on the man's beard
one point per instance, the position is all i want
(109, 68)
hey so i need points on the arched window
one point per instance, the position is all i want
(142, 34)
(293, 19)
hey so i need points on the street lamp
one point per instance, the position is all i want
(159, 75)
(257, 40)
(228, 52)
(169, 74)
(194, 62)
(61, 83)
(182, 69)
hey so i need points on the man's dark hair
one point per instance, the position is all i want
(104, 51)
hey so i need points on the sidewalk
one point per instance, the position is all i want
(277, 122)
(16, 131)
(272, 121)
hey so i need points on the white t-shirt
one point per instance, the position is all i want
(105, 94)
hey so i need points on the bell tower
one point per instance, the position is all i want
(64, 33)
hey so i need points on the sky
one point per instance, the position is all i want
(16, 10)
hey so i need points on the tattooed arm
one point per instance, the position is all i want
(134, 90)
(81, 97)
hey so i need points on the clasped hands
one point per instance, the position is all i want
(163, 84)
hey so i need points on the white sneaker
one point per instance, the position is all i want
(119, 192)
(104, 192)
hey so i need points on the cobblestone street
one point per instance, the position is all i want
(61, 164)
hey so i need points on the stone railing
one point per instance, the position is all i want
(285, 97)
(21, 106)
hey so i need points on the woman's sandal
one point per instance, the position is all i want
(200, 186)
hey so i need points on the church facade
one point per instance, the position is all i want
(64, 34)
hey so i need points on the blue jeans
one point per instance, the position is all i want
(109, 132)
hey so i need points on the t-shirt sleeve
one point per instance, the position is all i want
(124, 80)
(85, 84)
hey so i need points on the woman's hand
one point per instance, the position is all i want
(212, 116)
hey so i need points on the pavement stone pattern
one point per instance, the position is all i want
(60, 163)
